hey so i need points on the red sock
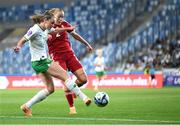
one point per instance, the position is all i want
(69, 97)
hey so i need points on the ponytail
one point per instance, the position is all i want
(38, 18)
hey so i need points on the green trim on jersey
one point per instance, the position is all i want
(100, 74)
(41, 65)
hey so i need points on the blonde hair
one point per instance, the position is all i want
(99, 52)
(55, 10)
(38, 18)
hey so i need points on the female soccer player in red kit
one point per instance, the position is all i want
(61, 51)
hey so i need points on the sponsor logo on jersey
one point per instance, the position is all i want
(29, 33)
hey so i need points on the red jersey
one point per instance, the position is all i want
(60, 42)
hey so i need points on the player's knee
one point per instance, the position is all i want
(66, 90)
(82, 82)
(50, 90)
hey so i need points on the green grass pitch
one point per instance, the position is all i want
(126, 106)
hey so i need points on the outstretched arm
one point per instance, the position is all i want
(59, 30)
(19, 45)
(82, 40)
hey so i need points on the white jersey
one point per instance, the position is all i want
(99, 61)
(37, 39)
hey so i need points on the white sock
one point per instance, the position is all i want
(74, 88)
(41, 95)
(96, 85)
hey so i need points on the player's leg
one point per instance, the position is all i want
(97, 83)
(81, 77)
(76, 68)
(99, 76)
(69, 97)
(68, 94)
(74, 65)
(58, 72)
(41, 95)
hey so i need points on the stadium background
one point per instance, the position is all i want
(132, 33)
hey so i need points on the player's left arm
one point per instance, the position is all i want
(60, 30)
(82, 40)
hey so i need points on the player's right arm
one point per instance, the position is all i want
(29, 35)
(19, 45)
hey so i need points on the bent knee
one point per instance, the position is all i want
(50, 90)
(81, 82)
(66, 90)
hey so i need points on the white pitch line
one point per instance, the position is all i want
(92, 119)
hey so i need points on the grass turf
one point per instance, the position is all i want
(127, 106)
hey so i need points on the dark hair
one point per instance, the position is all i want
(38, 18)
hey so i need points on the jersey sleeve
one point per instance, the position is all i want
(30, 34)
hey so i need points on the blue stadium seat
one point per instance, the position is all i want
(93, 22)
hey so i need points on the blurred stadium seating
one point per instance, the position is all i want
(104, 24)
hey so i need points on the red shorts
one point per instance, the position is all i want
(68, 61)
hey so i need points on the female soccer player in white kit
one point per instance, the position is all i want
(37, 36)
(99, 64)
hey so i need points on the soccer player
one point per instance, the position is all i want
(61, 51)
(37, 37)
(149, 70)
(99, 64)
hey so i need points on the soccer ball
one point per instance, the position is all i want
(101, 99)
